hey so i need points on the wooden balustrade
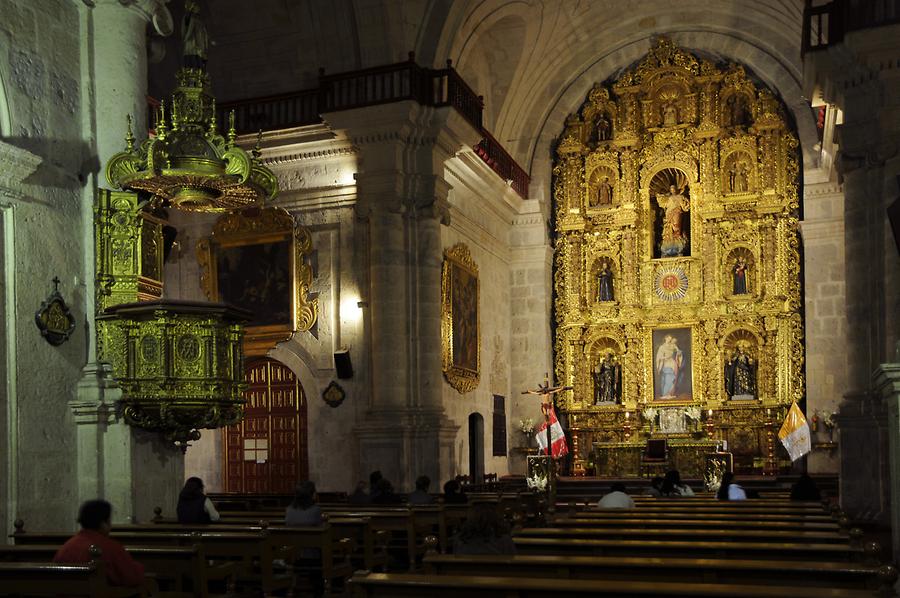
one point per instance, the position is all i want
(826, 24)
(403, 81)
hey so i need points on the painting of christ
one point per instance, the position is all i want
(672, 378)
(464, 298)
(257, 277)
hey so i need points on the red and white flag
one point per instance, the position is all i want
(557, 437)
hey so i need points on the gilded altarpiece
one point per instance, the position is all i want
(677, 266)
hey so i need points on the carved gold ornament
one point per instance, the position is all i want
(237, 234)
(188, 165)
(682, 175)
(460, 319)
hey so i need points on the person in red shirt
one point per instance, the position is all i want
(95, 517)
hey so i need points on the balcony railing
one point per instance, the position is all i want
(370, 87)
(826, 24)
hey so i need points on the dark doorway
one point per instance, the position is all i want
(476, 448)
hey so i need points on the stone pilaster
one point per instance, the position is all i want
(401, 198)
(887, 384)
(131, 468)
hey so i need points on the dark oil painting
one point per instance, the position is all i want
(257, 278)
(464, 305)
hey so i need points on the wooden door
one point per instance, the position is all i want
(267, 451)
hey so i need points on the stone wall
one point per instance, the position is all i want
(42, 157)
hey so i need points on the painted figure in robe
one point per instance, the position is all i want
(669, 362)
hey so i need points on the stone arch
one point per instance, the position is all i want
(299, 360)
(490, 54)
(550, 121)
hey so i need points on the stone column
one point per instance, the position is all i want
(887, 384)
(133, 469)
(401, 195)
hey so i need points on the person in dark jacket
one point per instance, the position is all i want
(194, 507)
(421, 496)
(805, 489)
(453, 493)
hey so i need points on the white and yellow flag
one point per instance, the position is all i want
(794, 433)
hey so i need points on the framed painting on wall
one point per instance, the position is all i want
(255, 259)
(673, 378)
(460, 333)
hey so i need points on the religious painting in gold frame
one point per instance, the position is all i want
(256, 259)
(673, 364)
(460, 323)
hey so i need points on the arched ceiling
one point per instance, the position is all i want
(572, 44)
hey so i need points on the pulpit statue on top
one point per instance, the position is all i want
(194, 38)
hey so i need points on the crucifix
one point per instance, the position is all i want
(547, 392)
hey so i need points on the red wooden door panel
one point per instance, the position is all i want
(267, 451)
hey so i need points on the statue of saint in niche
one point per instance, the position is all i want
(740, 374)
(737, 110)
(739, 177)
(670, 115)
(605, 283)
(607, 379)
(604, 195)
(739, 273)
(675, 205)
(604, 128)
(194, 38)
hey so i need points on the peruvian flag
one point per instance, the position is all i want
(557, 437)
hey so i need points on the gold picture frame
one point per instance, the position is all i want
(283, 247)
(684, 384)
(460, 319)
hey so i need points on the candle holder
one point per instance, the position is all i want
(710, 425)
(626, 427)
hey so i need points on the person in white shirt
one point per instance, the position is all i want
(672, 485)
(616, 499)
(728, 490)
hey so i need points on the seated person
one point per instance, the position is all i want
(728, 490)
(655, 489)
(484, 532)
(453, 493)
(95, 517)
(359, 496)
(303, 510)
(672, 485)
(193, 505)
(805, 489)
(617, 498)
(420, 496)
(383, 493)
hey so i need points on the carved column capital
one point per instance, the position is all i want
(152, 11)
(16, 165)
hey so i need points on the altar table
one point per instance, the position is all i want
(623, 459)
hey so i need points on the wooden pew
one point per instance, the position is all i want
(696, 549)
(685, 522)
(333, 552)
(610, 514)
(168, 565)
(395, 585)
(49, 579)
(672, 569)
(686, 534)
(253, 552)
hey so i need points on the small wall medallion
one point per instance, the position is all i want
(334, 394)
(54, 319)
